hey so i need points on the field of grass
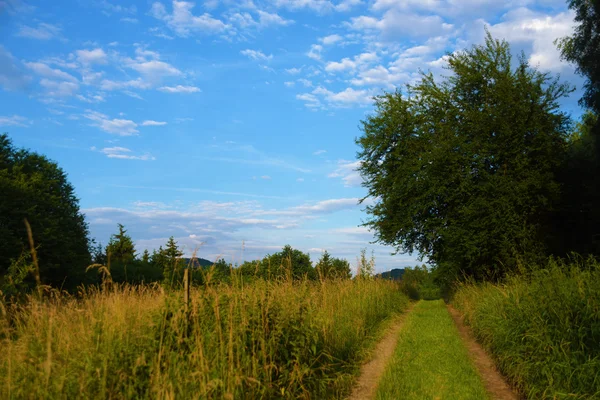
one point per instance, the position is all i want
(430, 361)
(264, 340)
(543, 329)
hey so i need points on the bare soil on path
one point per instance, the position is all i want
(492, 379)
(371, 372)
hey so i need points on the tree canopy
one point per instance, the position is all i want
(583, 48)
(462, 169)
(36, 189)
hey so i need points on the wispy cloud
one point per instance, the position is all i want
(183, 22)
(124, 153)
(43, 31)
(347, 171)
(179, 89)
(121, 127)
(15, 120)
(256, 55)
(153, 123)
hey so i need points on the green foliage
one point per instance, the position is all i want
(287, 264)
(430, 361)
(36, 189)
(120, 247)
(171, 262)
(267, 340)
(578, 224)
(543, 328)
(463, 170)
(583, 48)
(332, 268)
(419, 283)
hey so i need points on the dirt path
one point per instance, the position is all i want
(370, 373)
(493, 381)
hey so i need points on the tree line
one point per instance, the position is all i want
(480, 172)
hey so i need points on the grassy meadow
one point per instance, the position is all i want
(430, 361)
(542, 328)
(263, 340)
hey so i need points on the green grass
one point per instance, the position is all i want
(430, 361)
(264, 340)
(542, 328)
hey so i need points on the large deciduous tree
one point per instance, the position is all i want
(462, 169)
(35, 188)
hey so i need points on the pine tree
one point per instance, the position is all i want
(120, 248)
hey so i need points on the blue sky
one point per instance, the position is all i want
(220, 122)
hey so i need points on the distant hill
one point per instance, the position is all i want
(197, 262)
(395, 274)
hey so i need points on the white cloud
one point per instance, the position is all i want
(59, 89)
(130, 20)
(124, 153)
(315, 52)
(91, 99)
(327, 206)
(310, 100)
(43, 31)
(305, 82)
(14, 120)
(289, 83)
(153, 123)
(395, 24)
(256, 55)
(121, 127)
(155, 69)
(266, 177)
(293, 71)
(89, 57)
(347, 170)
(344, 98)
(320, 6)
(381, 75)
(45, 71)
(183, 22)
(319, 152)
(138, 83)
(331, 39)
(537, 30)
(179, 89)
(265, 19)
(268, 19)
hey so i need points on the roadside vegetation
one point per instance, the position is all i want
(288, 339)
(542, 328)
(430, 360)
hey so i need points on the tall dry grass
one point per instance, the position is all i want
(264, 340)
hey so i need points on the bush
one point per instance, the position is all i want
(419, 283)
(543, 329)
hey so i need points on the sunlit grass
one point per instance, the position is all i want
(430, 361)
(263, 340)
